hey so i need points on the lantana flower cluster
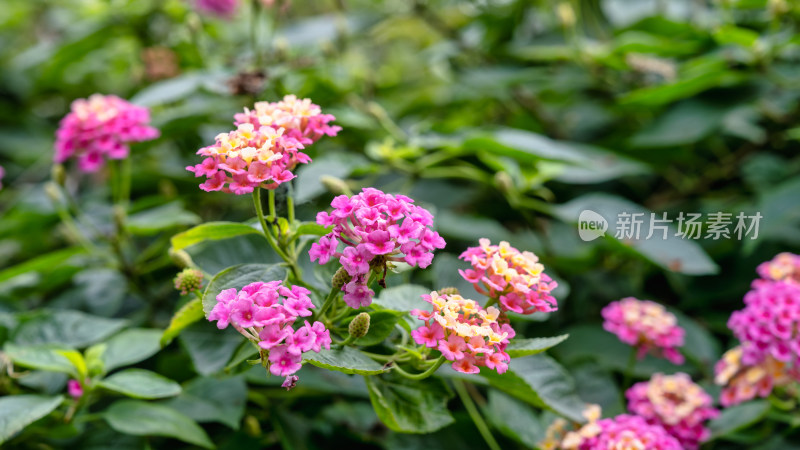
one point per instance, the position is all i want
(516, 279)
(375, 229)
(646, 325)
(783, 267)
(626, 432)
(464, 332)
(101, 127)
(221, 8)
(2, 174)
(301, 119)
(742, 382)
(676, 403)
(265, 314)
(248, 158)
(768, 324)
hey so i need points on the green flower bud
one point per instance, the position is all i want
(335, 185)
(189, 280)
(180, 258)
(449, 291)
(359, 326)
(52, 191)
(340, 278)
(58, 174)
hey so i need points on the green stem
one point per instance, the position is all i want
(423, 375)
(290, 207)
(73, 229)
(125, 182)
(265, 228)
(473, 412)
(327, 303)
(626, 381)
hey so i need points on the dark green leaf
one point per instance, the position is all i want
(19, 411)
(737, 417)
(515, 419)
(163, 217)
(402, 298)
(381, 325)
(346, 359)
(130, 347)
(43, 357)
(209, 348)
(148, 419)
(210, 399)
(67, 328)
(139, 383)
(526, 347)
(408, 406)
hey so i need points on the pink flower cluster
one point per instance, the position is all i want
(768, 324)
(784, 266)
(248, 158)
(375, 228)
(741, 382)
(221, 8)
(74, 389)
(101, 126)
(646, 325)
(265, 313)
(512, 277)
(2, 174)
(627, 432)
(301, 119)
(464, 333)
(677, 404)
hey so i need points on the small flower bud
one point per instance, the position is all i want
(58, 174)
(119, 216)
(251, 426)
(359, 326)
(52, 191)
(335, 185)
(75, 389)
(340, 278)
(378, 263)
(449, 291)
(504, 182)
(189, 280)
(180, 258)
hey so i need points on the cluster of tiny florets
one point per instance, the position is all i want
(676, 403)
(646, 325)
(783, 267)
(188, 280)
(516, 279)
(265, 314)
(375, 229)
(742, 382)
(101, 127)
(464, 332)
(301, 119)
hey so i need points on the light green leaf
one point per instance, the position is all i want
(148, 419)
(189, 313)
(19, 411)
(526, 347)
(540, 381)
(77, 361)
(346, 359)
(210, 231)
(130, 347)
(140, 383)
(43, 357)
(40, 263)
(402, 298)
(408, 406)
(237, 277)
(153, 220)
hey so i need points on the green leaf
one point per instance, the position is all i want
(312, 229)
(737, 417)
(64, 327)
(408, 406)
(381, 325)
(210, 231)
(43, 357)
(526, 347)
(540, 381)
(189, 313)
(77, 361)
(339, 165)
(208, 399)
(402, 298)
(674, 253)
(237, 277)
(731, 34)
(209, 348)
(686, 123)
(346, 359)
(153, 220)
(148, 419)
(40, 263)
(140, 383)
(130, 347)
(514, 419)
(19, 411)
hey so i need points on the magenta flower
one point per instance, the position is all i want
(784, 266)
(768, 324)
(676, 403)
(741, 382)
(2, 174)
(74, 389)
(221, 8)
(515, 279)
(645, 325)
(465, 333)
(375, 229)
(101, 127)
(265, 314)
(624, 432)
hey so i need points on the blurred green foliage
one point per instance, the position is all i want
(506, 117)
